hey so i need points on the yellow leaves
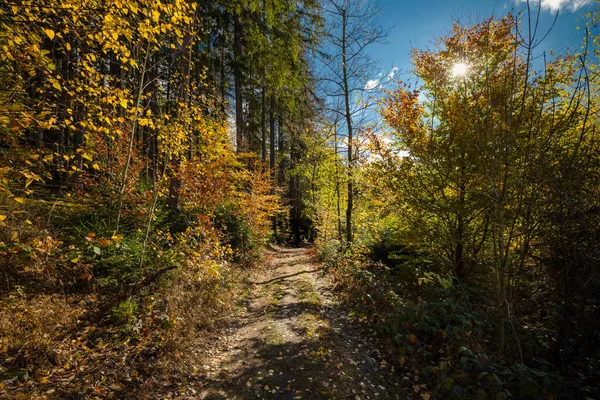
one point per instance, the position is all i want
(117, 238)
(164, 28)
(2, 218)
(123, 103)
(30, 178)
(49, 33)
(133, 6)
(87, 67)
(19, 200)
(149, 122)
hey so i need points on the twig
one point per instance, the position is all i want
(514, 331)
(133, 289)
(50, 213)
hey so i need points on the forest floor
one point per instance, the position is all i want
(292, 340)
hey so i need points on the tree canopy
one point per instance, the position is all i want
(151, 151)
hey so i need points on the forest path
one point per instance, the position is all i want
(293, 341)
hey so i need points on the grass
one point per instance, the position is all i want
(272, 336)
(273, 294)
(307, 292)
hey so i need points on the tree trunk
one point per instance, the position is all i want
(501, 270)
(272, 136)
(349, 207)
(239, 117)
(337, 184)
(459, 257)
(263, 101)
(184, 91)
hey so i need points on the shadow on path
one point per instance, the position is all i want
(282, 278)
(295, 342)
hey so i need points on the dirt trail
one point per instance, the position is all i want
(294, 342)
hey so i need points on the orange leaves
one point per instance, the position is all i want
(454, 104)
(489, 37)
(403, 112)
(218, 180)
(483, 47)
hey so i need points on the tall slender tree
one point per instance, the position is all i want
(352, 28)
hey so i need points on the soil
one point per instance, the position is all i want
(293, 340)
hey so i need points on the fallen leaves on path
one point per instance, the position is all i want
(293, 341)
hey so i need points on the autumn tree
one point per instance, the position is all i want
(571, 245)
(473, 183)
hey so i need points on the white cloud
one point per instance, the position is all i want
(372, 84)
(555, 5)
(380, 82)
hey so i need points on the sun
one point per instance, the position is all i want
(459, 69)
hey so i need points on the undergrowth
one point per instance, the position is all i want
(86, 312)
(442, 332)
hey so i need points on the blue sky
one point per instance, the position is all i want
(415, 23)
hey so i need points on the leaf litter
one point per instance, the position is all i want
(293, 341)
